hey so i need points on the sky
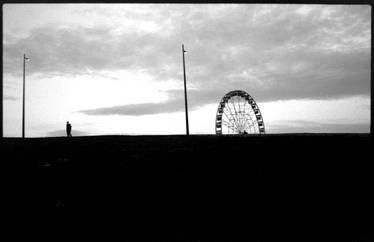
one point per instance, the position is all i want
(117, 68)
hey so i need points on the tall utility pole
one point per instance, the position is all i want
(185, 91)
(23, 100)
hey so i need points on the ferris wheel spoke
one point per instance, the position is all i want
(249, 120)
(236, 112)
(239, 114)
(229, 120)
(244, 111)
(240, 108)
(249, 117)
(231, 123)
(250, 125)
(227, 116)
(227, 124)
(230, 116)
(230, 111)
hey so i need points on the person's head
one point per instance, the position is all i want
(67, 122)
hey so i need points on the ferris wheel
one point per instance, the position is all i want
(238, 113)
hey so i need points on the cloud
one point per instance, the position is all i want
(138, 109)
(175, 103)
(274, 52)
(70, 51)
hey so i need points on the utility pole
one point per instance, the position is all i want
(23, 100)
(185, 91)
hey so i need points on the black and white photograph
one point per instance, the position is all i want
(189, 121)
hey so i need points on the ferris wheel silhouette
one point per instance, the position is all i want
(238, 113)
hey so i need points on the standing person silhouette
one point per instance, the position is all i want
(68, 129)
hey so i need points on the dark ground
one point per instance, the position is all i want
(196, 188)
